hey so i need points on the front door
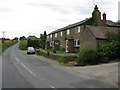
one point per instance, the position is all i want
(66, 45)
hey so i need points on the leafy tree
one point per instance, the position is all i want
(43, 39)
(23, 38)
(16, 38)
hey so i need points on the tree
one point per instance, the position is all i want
(23, 38)
(43, 39)
(16, 38)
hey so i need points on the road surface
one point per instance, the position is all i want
(20, 70)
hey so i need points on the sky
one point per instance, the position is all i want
(33, 17)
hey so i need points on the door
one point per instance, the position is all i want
(66, 45)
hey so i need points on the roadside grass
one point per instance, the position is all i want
(61, 60)
(6, 44)
(23, 45)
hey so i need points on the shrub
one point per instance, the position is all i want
(23, 45)
(109, 50)
(61, 51)
(33, 43)
(87, 56)
(63, 60)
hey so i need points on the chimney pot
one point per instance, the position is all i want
(104, 17)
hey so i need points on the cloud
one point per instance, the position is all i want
(27, 17)
(4, 10)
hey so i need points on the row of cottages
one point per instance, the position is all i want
(91, 32)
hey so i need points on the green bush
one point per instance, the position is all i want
(62, 60)
(110, 50)
(33, 43)
(87, 56)
(23, 45)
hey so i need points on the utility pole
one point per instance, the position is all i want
(3, 38)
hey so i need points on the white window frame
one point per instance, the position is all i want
(55, 34)
(61, 33)
(51, 36)
(76, 42)
(78, 29)
(68, 31)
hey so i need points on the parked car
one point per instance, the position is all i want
(30, 50)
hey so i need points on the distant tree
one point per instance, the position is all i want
(23, 38)
(16, 38)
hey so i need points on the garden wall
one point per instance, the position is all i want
(55, 56)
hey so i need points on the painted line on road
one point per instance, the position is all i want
(17, 59)
(29, 70)
(52, 87)
(32, 72)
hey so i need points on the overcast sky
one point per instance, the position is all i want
(32, 17)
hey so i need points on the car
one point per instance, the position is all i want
(30, 50)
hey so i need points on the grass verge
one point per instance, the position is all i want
(6, 44)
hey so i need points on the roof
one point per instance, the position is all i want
(111, 23)
(100, 32)
(32, 37)
(71, 25)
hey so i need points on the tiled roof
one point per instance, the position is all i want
(100, 32)
(111, 23)
(71, 25)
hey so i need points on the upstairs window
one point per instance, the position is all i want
(61, 33)
(76, 42)
(68, 31)
(55, 34)
(78, 29)
(51, 36)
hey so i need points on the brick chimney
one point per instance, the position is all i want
(104, 17)
(96, 15)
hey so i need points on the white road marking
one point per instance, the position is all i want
(29, 70)
(17, 59)
(52, 87)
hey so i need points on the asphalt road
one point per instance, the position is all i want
(20, 70)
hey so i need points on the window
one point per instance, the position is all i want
(55, 34)
(78, 29)
(51, 36)
(61, 33)
(77, 42)
(68, 31)
(47, 37)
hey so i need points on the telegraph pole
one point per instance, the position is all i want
(3, 38)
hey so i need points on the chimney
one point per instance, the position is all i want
(104, 17)
(96, 8)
